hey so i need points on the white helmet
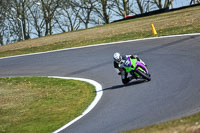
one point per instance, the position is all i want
(117, 57)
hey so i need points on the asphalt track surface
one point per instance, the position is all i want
(174, 90)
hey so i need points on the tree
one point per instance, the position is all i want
(20, 14)
(160, 4)
(144, 6)
(103, 10)
(49, 8)
(86, 9)
(2, 19)
(4, 28)
(123, 7)
(69, 17)
(194, 2)
(104, 6)
(35, 18)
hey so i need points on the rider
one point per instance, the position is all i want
(119, 63)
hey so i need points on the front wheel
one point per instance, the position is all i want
(144, 75)
(125, 81)
(124, 78)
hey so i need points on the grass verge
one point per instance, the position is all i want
(177, 22)
(190, 124)
(41, 104)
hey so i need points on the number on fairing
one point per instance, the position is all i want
(127, 63)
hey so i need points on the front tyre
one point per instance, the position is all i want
(125, 81)
(144, 75)
(124, 78)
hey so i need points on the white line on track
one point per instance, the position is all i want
(151, 38)
(99, 93)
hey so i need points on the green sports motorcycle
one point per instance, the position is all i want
(136, 68)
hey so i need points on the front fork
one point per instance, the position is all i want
(123, 74)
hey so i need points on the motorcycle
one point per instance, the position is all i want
(136, 68)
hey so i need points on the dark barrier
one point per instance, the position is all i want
(154, 13)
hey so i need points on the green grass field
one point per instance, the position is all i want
(190, 124)
(41, 104)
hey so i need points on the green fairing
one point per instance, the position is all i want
(133, 62)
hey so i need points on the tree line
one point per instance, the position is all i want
(25, 19)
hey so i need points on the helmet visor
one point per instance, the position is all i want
(119, 60)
